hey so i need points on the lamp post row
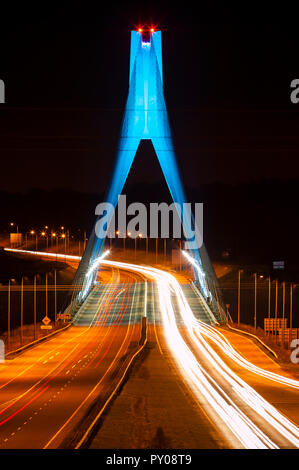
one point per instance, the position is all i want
(269, 300)
(9, 304)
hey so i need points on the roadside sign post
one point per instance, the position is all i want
(46, 323)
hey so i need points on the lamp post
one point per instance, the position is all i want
(239, 295)
(44, 235)
(22, 309)
(139, 236)
(180, 255)
(269, 297)
(55, 295)
(255, 287)
(64, 238)
(129, 234)
(68, 240)
(283, 310)
(275, 313)
(283, 298)
(291, 307)
(46, 294)
(8, 316)
(53, 236)
(34, 305)
(12, 224)
(32, 233)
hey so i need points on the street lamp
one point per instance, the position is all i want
(255, 289)
(44, 234)
(64, 237)
(239, 294)
(32, 232)
(53, 236)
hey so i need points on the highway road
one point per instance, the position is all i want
(46, 391)
(242, 415)
(218, 376)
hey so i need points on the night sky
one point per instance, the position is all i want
(227, 87)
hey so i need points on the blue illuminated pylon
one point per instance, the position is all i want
(145, 118)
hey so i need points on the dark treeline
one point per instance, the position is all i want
(255, 222)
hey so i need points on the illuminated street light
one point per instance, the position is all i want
(12, 224)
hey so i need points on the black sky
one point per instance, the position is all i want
(227, 87)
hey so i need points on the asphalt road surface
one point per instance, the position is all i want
(47, 390)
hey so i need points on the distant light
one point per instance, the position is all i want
(152, 30)
(12, 224)
(129, 234)
(140, 235)
(32, 232)
(46, 227)
(62, 228)
(117, 232)
(53, 234)
(63, 235)
(43, 234)
(140, 30)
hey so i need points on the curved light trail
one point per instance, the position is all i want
(253, 421)
(243, 415)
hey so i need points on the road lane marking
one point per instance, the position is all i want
(92, 391)
(16, 399)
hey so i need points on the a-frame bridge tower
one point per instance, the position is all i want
(146, 117)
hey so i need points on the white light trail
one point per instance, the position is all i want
(193, 262)
(45, 253)
(241, 409)
(200, 272)
(97, 263)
